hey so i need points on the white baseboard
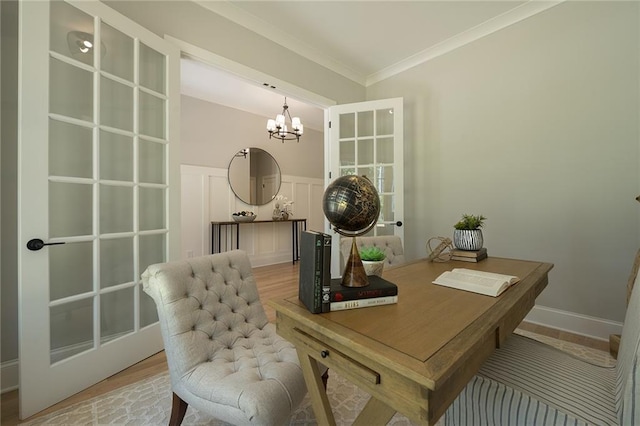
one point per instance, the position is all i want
(596, 328)
(266, 259)
(9, 375)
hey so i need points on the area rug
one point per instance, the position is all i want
(148, 402)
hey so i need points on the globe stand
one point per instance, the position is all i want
(352, 205)
(354, 274)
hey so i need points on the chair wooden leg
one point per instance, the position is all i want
(325, 378)
(178, 410)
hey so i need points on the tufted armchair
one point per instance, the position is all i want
(224, 357)
(526, 382)
(391, 244)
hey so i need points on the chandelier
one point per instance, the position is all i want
(278, 128)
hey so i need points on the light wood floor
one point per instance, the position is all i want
(274, 282)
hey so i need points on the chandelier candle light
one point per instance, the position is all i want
(278, 128)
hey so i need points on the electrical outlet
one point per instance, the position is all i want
(189, 253)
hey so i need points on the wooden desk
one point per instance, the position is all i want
(415, 356)
(297, 226)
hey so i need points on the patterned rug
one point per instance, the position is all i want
(148, 402)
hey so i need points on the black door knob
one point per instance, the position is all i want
(36, 244)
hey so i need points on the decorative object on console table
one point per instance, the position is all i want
(313, 270)
(469, 255)
(372, 260)
(352, 205)
(244, 216)
(467, 234)
(282, 208)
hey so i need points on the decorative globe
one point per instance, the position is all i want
(351, 204)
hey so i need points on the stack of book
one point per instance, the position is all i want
(469, 255)
(378, 292)
(319, 293)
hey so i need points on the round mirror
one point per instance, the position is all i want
(254, 176)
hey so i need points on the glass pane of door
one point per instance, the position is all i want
(119, 59)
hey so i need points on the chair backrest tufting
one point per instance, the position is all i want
(627, 369)
(390, 244)
(206, 305)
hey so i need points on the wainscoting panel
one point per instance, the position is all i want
(207, 197)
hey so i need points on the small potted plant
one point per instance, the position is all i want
(372, 260)
(467, 234)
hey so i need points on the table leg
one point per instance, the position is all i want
(375, 412)
(294, 234)
(215, 237)
(317, 392)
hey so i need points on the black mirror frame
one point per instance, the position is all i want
(244, 155)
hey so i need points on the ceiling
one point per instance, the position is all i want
(365, 41)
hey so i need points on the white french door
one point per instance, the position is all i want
(98, 193)
(367, 139)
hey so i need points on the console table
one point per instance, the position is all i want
(297, 226)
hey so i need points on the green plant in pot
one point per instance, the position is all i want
(372, 260)
(467, 234)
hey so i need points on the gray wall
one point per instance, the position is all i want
(212, 134)
(535, 127)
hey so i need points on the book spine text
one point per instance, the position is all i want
(363, 303)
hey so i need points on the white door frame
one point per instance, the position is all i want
(258, 78)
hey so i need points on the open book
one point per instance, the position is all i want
(481, 282)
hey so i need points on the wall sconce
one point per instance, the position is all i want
(82, 43)
(243, 153)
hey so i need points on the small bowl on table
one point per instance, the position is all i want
(240, 218)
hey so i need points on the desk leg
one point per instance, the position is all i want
(375, 412)
(317, 392)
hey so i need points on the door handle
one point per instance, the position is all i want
(398, 223)
(36, 244)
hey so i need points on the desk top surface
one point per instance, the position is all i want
(430, 324)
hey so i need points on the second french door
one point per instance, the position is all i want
(366, 139)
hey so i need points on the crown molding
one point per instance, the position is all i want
(235, 14)
(513, 16)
